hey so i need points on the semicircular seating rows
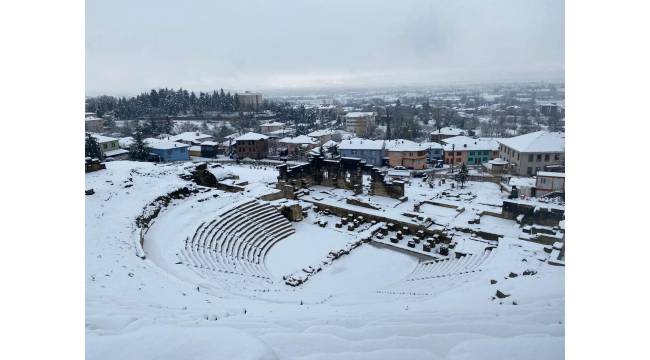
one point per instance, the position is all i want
(237, 240)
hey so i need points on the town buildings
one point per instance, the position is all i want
(298, 145)
(548, 182)
(249, 100)
(527, 154)
(470, 151)
(360, 123)
(371, 151)
(408, 154)
(270, 127)
(191, 137)
(168, 150)
(252, 145)
(110, 147)
(446, 132)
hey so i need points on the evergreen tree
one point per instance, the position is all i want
(92, 148)
(462, 175)
(138, 150)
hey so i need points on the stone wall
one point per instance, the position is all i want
(345, 173)
(533, 214)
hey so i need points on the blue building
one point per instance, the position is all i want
(372, 151)
(168, 150)
(435, 151)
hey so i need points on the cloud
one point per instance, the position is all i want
(133, 46)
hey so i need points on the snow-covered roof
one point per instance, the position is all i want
(473, 145)
(92, 118)
(102, 139)
(498, 161)
(163, 144)
(479, 143)
(449, 130)
(195, 148)
(210, 143)
(115, 152)
(126, 141)
(357, 114)
(318, 133)
(251, 136)
(404, 145)
(550, 174)
(273, 123)
(302, 139)
(539, 141)
(190, 136)
(522, 182)
(361, 144)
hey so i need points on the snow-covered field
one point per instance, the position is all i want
(360, 307)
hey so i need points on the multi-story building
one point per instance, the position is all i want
(94, 124)
(527, 154)
(371, 151)
(446, 132)
(298, 145)
(252, 145)
(408, 154)
(322, 136)
(470, 151)
(270, 127)
(249, 100)
(360, 123)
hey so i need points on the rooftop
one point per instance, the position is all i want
(356, 114)
(163, 144)
(251, 136)
(301, 139)
(190, 136)
(550, 174)
(449, 130)
(102, 139)
(361, 144)
(539, 141)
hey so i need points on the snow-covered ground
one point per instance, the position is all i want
(359, 307)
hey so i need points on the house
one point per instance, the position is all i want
(527, 154)
(271, 126)
(322, 136)
(360, 123)
(252, 145)
(486, 142)
(110, 147)
(298, 145)
(209, 149)
(168, 150)
(371, 151)
(446, 132)
(195, 150)
(548, 182)
(94, 124)
(470, 151)
(126, 142)
(191, 137)
(435, 151)
(330, 149)
(407, 153)
(496, 166)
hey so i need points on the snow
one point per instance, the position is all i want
(361, 144)
(449, 130)
(358, 307)
(550, 174)
(154, 143)
(359, 114)
(539, 141)
(301, 139)
(251, 136)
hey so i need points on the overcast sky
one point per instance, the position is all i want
(132, 46)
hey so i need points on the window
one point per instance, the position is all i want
(104, 145)
(557, 157)
(458, 153)
(530, 157)
(471, 153)
(529, 171)
(547, 157)
(539, 157)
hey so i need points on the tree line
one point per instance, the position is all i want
(164, 102)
